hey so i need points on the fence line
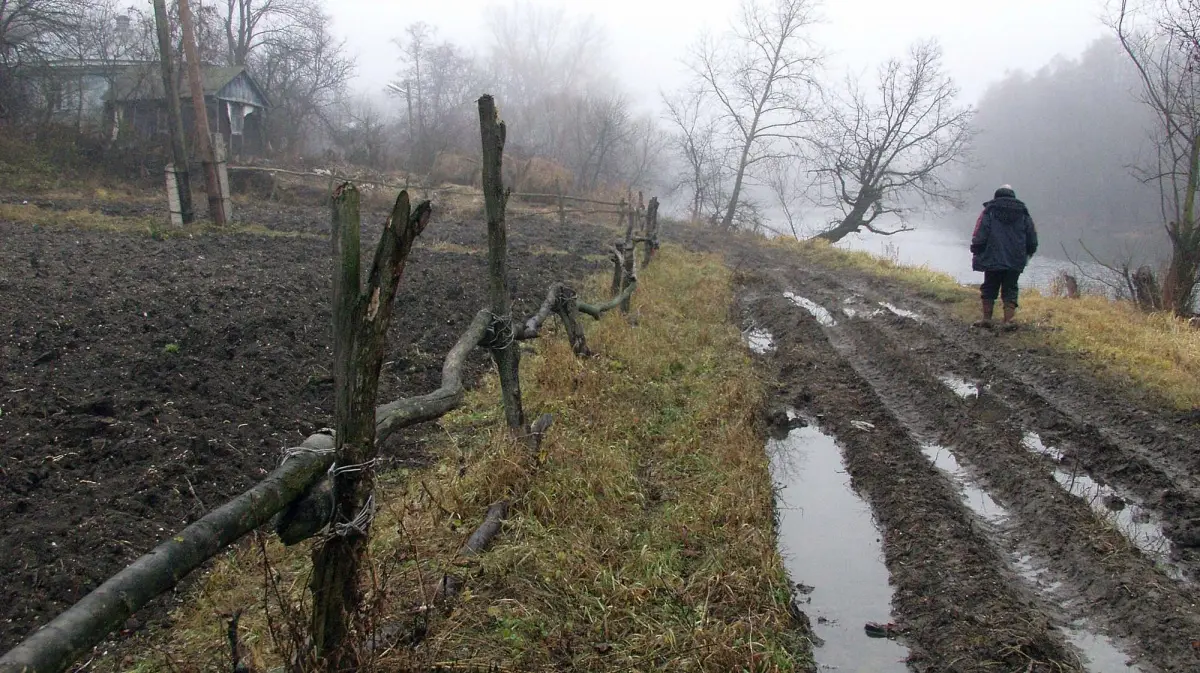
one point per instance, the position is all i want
(298, 493)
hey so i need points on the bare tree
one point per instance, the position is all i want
(305, 71)
(695, 142)
(1162, 39)
(439, 83)
(761, 77)
(250, 23)
(883, 149)
(32, 32)
(788, 184)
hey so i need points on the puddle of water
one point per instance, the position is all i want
(1133, 520)
(903, 313)
(973, 496)
(960, 386)
(759, 340)
(1100, 653)
(823, 316)
(830, 542)
(854, 312)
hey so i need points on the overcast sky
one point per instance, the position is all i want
(648, 37)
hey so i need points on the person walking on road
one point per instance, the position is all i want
(1001, 246)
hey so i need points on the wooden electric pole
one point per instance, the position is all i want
(174, 114)
(216, 205)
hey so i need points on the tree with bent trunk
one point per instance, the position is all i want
(881, 150)
(1162, 38)
(762, 81)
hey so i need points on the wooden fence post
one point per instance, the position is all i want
(360, 322)
(650, 242)
(562, 209)
(216, 209)
(503, 344)
(178, 169)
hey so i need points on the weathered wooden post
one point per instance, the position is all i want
(360, 322)
(221, 158)
(650, 239)
(178, 182)
(562, 210)
(216, 210)
(502, 338)
(629, 259)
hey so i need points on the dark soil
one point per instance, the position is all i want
(145, 382)
(959, 596)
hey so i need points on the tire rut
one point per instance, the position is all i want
(954, 596)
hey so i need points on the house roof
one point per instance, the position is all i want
(144, 82)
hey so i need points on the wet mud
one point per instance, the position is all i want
(1034, 517)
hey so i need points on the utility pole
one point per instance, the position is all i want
(174, 114)
(216, 204)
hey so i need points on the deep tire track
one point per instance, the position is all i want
(953, 594)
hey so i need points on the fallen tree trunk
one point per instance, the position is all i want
(58, 644)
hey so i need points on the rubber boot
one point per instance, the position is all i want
(989, 308)
(1010, 311)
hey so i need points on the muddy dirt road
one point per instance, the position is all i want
(145, 382)
(1032, 517)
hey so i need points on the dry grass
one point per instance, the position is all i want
(154, 227)
(1157, 350)
(924, 281)
(641, 538)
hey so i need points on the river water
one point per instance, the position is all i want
(947, 249)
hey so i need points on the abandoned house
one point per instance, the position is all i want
(135, 104)
(124, 102)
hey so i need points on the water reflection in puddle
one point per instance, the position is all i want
(830, 542)
(903, 313)
(960, 386)
(819, 312)
(1132, 519)
(1100, 652)
(759, 340)
(974, 497)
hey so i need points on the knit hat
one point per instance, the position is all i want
(1005, 191)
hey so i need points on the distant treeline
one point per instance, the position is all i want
(1074, 140)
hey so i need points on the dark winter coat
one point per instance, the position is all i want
(1004, 238)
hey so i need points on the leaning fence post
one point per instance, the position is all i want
(360, 322)
(503, 342)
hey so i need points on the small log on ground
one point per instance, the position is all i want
(503, 344)
(493, 521)
(64, 640)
